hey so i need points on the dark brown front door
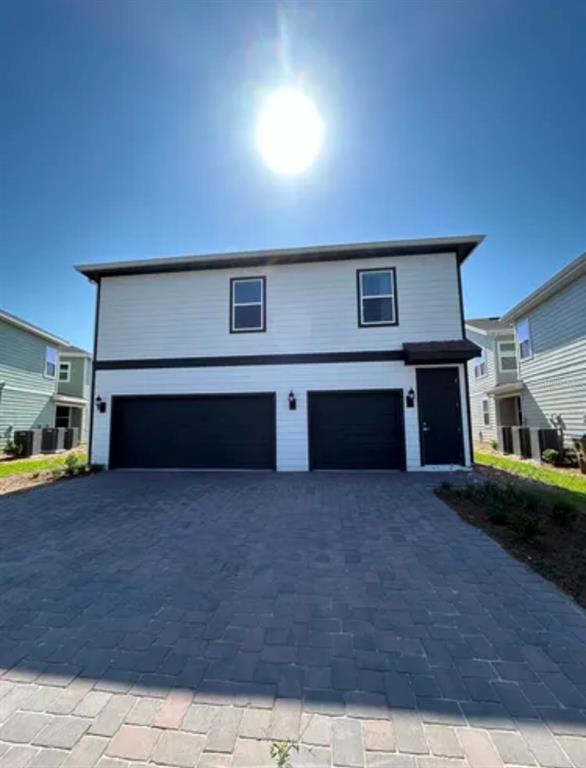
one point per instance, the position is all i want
(440, 416)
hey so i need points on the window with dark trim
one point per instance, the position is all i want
(247, 304)
(486, 413)
(377, 297)
(64, 371)
(524, 340)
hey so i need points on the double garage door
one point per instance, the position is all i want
(347, 430)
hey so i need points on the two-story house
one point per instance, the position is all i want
(39, 378)
(333, 357)
(495, 392)
(550, 332)
(532, 371)
(73, 390)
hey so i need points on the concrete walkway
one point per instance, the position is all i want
(187, 619)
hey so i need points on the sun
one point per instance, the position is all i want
(289, 131)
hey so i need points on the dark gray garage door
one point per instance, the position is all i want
(356, 430)
(193, 432)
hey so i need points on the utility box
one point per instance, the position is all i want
(53, 439)
(71, 438)
(29, 441)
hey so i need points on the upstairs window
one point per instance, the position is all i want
(247, 304)
(524, 340)
(486, 413)
(377, 297)
(50, 362)
(507, 356)
(64, 371)
(480, 365)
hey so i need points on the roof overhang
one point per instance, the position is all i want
(462, 247)
(80, 402)
(22, 324)
(507, 390)
(422, 352)
(574, 270)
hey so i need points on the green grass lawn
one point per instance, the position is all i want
(23, 466)
(575, 484)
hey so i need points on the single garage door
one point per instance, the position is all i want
(356, 430)
(193, 432)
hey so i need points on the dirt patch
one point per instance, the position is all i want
(25, 481)
(558, 553)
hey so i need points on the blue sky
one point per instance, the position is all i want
(127, 131)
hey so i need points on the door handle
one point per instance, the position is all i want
(425, 428)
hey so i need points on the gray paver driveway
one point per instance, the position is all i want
(190, 619)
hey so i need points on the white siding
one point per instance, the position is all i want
(555, 376)
(292, 438)
(479, 388)
(310, 308)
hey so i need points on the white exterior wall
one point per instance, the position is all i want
(292, 432)
(310, 308)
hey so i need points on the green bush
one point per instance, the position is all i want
(445, 486)
(527, 526)
(13, 449)
(551, 456)
(562, 513)
(494, 445)
(74, 465)
(499, 517)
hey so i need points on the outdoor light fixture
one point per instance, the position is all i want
(292, 401)
(410, 398)
(100, 405)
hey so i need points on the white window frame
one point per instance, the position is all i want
(67, 365)
(520, 357)
(485, 406)
(392, 296)
(46, 374)
(234, 304)
(481, 368)
(502, 353)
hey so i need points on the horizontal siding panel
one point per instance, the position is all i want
(310, 308)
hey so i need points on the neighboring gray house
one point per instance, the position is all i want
(533, 368)
(32, 362)
(73, 390)
(495, 392)
(550, 330)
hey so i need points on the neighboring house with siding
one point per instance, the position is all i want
(31, 365)
(494, 388)
(73, 390)
(532, 371)
(331, 357)
(550, 330)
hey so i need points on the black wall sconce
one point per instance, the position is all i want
(292, 401)
(100, 405)
(410, 399)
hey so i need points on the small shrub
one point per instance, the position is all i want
(74, 465)
(562, 514)
(499, 517)
(281, 752)
(551, 456)
(494, 445)
(445, 486)
(13, 449)
(570, 457)
(527, 526)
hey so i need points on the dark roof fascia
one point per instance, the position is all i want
(450, 352)
(462, 247)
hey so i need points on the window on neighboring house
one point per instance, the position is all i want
(524, 340)
(480, 365)
(64, 371)
(486, 413)
(50, 362)
(507, 356)
(377, 297)
(247, 300)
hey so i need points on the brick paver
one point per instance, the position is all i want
(190, 619)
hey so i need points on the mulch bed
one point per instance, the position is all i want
(558, 554)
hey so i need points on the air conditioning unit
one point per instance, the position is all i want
(29, 441)
(53, 439)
